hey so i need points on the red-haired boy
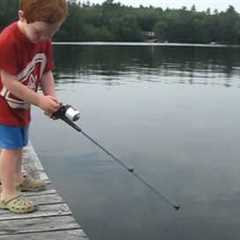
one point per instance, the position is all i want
(26, 62)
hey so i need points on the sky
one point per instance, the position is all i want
(200, 4)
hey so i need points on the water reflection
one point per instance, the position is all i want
(158, 109)
(113, 65)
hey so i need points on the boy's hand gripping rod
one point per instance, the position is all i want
(68, 114)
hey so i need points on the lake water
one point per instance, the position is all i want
(173, 114)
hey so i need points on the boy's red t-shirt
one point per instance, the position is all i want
(28, 62)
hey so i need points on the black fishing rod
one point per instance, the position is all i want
(69, 115)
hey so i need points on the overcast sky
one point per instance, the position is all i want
(200, 4)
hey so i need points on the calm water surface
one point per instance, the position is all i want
(172, 113)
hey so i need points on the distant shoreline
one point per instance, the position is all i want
(146, 44)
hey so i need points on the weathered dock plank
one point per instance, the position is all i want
(45, 199)
(53, 220)
(41, 224)
(48, 191)
(57, 235)
(61, 209)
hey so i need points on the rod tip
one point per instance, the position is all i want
(177, 207)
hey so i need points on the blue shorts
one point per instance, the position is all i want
(13, 137)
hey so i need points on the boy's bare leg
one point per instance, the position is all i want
(8, 172)
(19, 174)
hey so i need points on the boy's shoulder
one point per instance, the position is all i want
(12, 39)
(9, 34)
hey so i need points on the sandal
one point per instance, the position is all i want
(30, 184)
(18, 204)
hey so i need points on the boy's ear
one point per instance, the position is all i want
(21, 15)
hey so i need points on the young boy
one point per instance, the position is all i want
(26, 62)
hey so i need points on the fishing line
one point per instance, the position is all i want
(68, 114)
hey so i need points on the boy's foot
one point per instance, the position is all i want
(30, 184)
(18, 204)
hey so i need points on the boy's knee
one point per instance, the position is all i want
(11, 152)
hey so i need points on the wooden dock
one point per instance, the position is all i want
(53, 220)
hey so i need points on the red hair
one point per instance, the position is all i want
(49, 11)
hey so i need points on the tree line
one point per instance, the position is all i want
(112, 21)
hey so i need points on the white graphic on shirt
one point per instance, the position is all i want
(28, 78)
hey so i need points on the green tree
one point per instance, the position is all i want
(112, 21)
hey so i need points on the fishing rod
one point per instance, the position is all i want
(69, 115)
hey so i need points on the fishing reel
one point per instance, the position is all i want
(67, 112)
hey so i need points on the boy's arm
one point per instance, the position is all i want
(46, 103)
(48, 85)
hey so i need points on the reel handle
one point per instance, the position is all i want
(67, 111)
